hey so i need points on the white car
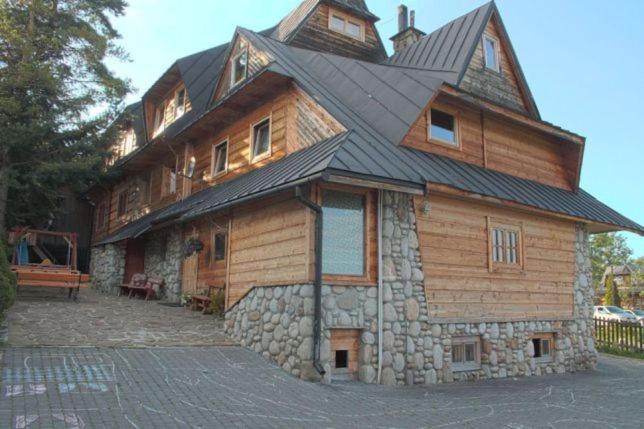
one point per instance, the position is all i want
(639, 315)
(610, 312)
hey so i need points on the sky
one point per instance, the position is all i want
(582, 60)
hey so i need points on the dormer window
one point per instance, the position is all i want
(220, 158)
(261, 139)
(443, 127)
(491, 52)
(159, 120)
(239, 68)
(179, 103)
(345, 24)
(126, 144)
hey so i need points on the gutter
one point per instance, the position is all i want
(317, 315)
(380, 286)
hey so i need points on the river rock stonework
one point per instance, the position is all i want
(107, 266)
(277, 322)
(163, 259)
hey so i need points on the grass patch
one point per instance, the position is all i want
(619, 352)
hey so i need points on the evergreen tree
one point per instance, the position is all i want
(609, 292)
(53, 80)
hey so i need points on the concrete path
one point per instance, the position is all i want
(42, 317)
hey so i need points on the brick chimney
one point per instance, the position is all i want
(407, 34)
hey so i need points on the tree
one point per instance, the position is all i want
(606, 250)
(53, 80)
(611, 295)
(7, 280)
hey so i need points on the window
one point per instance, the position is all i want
(122, 205)
(219, 246)
(466, 353)
(220, 158)
(341, 359)
(173, 182)
(169, 181)
(127, 142)
(261, 139)
(343, 218)
(505, 245)
(543, 346)
(101, 218)
(442, 127)
(239, 68)
(491, 53)
(159, 119)
(346, 25)
(179, 103)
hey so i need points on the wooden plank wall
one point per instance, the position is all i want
(209, 271)
(499, 145)
(458, 283)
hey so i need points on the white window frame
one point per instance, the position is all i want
(467, 365)
(346, 19)
(252, 157)
(178, 114)
(213, 161)
(456, 144)
(233, 81)
(497, 56)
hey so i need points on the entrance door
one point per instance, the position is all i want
(134, 259)
(189, 276)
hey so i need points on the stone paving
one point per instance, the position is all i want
(42, 317)
(207, 387)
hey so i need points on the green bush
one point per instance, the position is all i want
(7, 280)
(218, 301)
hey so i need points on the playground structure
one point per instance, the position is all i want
(47, 259)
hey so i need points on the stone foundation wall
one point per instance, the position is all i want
(107, 266)
(163, 258)
(277, 322)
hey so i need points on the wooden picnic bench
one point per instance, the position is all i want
(202, 302)
(142, 285)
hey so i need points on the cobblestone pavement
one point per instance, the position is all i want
(234, 387)
(42, 317)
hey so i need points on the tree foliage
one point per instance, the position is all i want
(611, 294)
(606, 250)
(57, 97)
(7, 280)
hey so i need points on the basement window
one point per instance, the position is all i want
(443, 127)
(466, 353)
(543, 346)
(341, 359)
(220, 158)
(239, 68)
(491, 52)
(261, 139)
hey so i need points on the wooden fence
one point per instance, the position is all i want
(619, 335)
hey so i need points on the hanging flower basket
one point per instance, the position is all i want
(192, 245)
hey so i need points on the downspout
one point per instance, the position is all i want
(317, 313)
(380, 291)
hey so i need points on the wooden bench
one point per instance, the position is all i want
(202, 302)
(141, 285)
(51, 277)
(137, 282)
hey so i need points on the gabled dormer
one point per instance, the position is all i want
(128, 132)
(166, 102)
(345, 28)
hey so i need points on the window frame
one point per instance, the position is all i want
(213, 251)
(159, 119)
(252, 158)
(213, 160)
(462, 341)
(346, 18)
(366, 278)
(506, 226)
(124, 196)
(456, 144)
(233, 59)
(101, 219)
(176, 98)
(497, 53)
(544, 336)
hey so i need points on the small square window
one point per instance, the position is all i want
(239, 68)
(341, 359)
(261, 144)
(122, 205)
(466, 353)
(443, 127)
(180, 103)
(543, 347)
(491, 53)
(220, 158)
(219, 253)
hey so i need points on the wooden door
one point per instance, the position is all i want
(189, 276)
(134, 259)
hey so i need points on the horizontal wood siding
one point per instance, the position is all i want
(491, 142)
(268, 246)
(458, 281)
(209, 271)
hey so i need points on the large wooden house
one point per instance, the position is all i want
(396, 219)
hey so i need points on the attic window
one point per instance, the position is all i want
(159, 120)
(345, 24)
(261, 139)
(239, 68)
(443, 127)
(179, 103)
(491, 52)
(220, 158)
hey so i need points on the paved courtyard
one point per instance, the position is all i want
(42, 317)
(117, 381)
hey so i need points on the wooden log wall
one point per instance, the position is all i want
(458, 281)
